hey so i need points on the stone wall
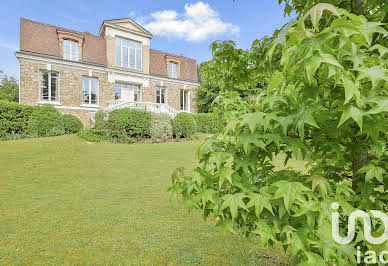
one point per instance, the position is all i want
(70, 89)
(173, 97)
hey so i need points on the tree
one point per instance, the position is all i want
(373, 10)
(9, 89)
(231, 69)
(326, 98)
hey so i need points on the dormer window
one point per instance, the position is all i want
(172, 70)
(70, 50)
(128, 53)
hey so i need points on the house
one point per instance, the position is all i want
(80, 73)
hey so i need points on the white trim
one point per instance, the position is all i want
(129, 49)
(127, 35)
(48, 102)
(90, 72)
(92, 109)
(71, 44)
(58, 94)
(48, 67)
(97, 104)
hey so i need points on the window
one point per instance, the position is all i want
(160, 95)
(89, 90)
(136, 93)
(49, 86)
(117, 92)
(124, 91)
(128, 53)
(184, 100)
(70, 50)
(172, 70)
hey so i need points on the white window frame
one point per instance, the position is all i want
(171, 72)
(90, 92)
(128, 53)
(160, 97)
(131, 87)
(185, 108)
(40, 99)
(71, 43)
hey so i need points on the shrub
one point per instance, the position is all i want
(100, 120)
(45, 121)
(133, 123)
(184, 125)
(93, 135)
(207, 123)
(161, 127)
(120, 137)
(14, 117)
(72, 124)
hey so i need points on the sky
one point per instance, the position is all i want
(178, 26)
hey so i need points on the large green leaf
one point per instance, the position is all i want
(233, 202)
(316, 12)
(259, 201)
(353, 113)
(290, 192)
(318, 180)
(381, 105)
(372, 171)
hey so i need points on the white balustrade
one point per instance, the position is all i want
(149, 106)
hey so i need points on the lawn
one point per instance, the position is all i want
(66, 201)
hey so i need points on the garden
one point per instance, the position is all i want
(292, 132)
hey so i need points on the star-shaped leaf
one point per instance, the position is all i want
(318, 180)
(351, 89)
(290, 192)
(381, 105)
(374, 74)
(354, 113)
(233, 202)
(264, 231)
(252, 119)
(259, 201)
(225, 173)
(372, 171)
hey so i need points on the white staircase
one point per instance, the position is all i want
(148, 106)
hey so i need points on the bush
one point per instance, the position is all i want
(93, 135)
(208, 123)
(72, 124)
(184, 125)
(14, 117)
(161, 127)
(133, 123)
(100, 120)
(45, 121)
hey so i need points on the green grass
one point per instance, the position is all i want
(66, 201)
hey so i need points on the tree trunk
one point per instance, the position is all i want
(357, 7)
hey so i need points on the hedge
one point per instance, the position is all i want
(72, 124)
(131, 122)
(45, 121)
(14, 117)
(208, 123)
(184, 125)
(161, 126)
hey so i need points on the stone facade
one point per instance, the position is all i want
(41, 49)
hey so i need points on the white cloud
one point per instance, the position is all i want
(198, 22)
